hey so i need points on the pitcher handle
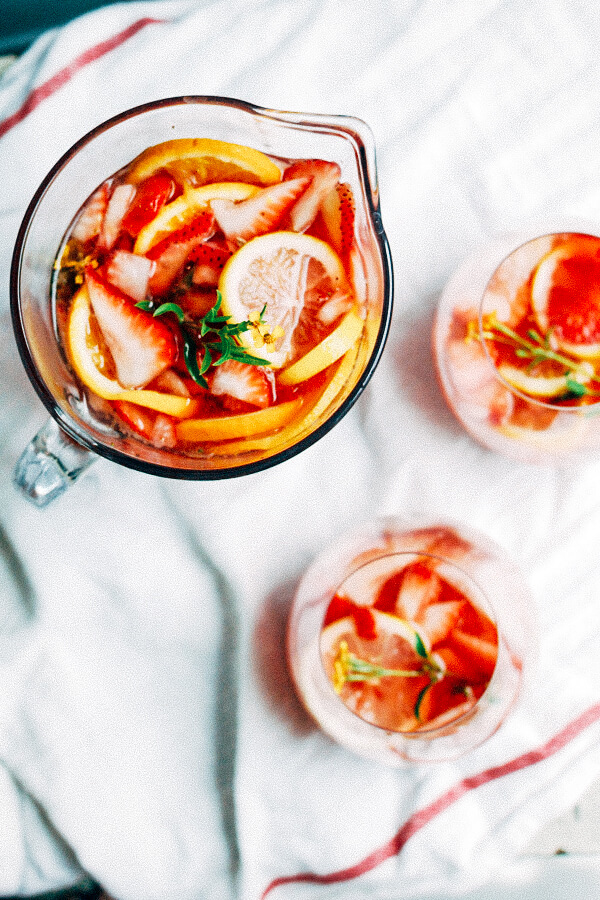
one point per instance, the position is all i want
(49, 464)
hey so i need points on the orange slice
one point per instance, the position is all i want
(273, 443)
(87, 357)
(199, 161)
(223, 428)
(185, 208)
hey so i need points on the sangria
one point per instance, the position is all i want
(212, 305)
(409, 643)
(517, 347)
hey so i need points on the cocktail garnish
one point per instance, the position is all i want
(347, 667)
(537, 349)
(214, 334)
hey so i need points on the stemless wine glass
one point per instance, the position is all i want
(76, 432)
(515, 345)
(407, 643)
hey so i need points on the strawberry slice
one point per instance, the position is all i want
(90, 219)
(324, 177)
(118, 205)
(260, 213)
(151, 196)
(438, 619)
(141, 346)
(240, 381)
(209, 259)
(171, 254)
(130, 273)
(137, 417)
(338, 213)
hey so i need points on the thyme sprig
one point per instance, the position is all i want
(212, 338)
(537, 348)
(348, 667)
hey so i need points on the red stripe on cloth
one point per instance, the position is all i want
(45, 90)
(422, 817)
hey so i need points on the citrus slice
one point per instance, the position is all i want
(273, 443)
(224, 428)
(203, 160)
(327, 352)
(388, 702)
(544, 385)
(186, 207)
(565, 295)
(87, 359)
(271, 272)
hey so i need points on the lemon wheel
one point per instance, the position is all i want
(270, 272)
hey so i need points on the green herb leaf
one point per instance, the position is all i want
(170, 308)
(576, 387)
(191, 360)
(420, 646)
(420, 697)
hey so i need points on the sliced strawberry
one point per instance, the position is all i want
(338, 214)
(438, 619)
(89, 223)
(171, 254)
(151, 196)
(196, 303)
(244, 382)
(138, 418)
(130, 273)
(324, 177)
(169, 382)
(209, 259)
(259, 214)
(480, 652)
(420, 587)
(163, 431)
(141, 346)
(118, 205)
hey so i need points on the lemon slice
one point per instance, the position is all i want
(186, 207)
(86, 355)
(271, 270)
(223, 428)
(386, 625)
(203, 160)
(544, 385)
(331, 348)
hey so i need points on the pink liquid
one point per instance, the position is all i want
(514, 343)
(361, 606)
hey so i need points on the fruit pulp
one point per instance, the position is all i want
(520, 363)
(205, 298)
(405, 647)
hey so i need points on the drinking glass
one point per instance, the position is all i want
(408, 642)
(494, 346)
(76, 433)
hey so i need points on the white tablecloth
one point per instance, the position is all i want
(149, 734)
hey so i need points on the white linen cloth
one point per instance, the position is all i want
(149, 734)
